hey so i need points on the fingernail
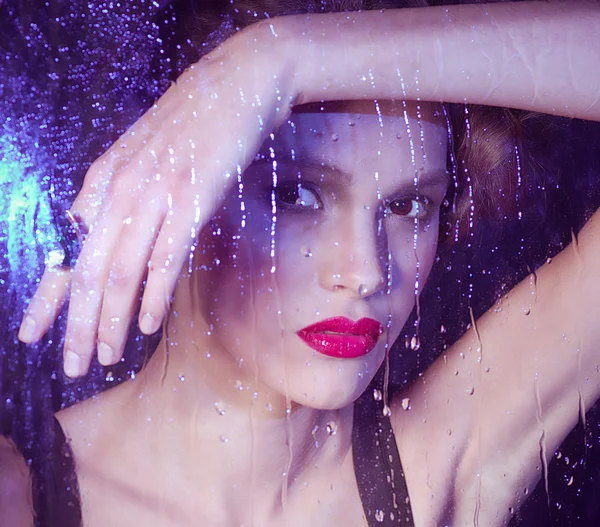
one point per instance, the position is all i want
(72, 364)
(105, 354)
(27, 330)
(148, 324)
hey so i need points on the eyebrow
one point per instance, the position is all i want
(436, 178)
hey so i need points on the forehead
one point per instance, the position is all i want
(366, 137)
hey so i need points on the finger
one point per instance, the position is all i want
(124, 278)
(90, 274)
(50, 294)
(53, 289)
(168, 256)
(87, 289)
(46, 303)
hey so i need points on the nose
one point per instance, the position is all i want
(355, 256)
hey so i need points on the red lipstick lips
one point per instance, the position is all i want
(341, 337)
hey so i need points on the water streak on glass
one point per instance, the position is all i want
(388, 267)
(518, 193)
(277, 296)
(542, 441)
(411, 143)
(454, 166)
(469, 183)
(417, 219)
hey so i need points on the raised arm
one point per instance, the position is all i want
(491, 412)
(539, 56)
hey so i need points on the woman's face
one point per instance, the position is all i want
(349, 230)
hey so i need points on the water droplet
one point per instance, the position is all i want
(570, 482)
(549, 260)
(335, 137)
(377, 395)
(351, 123)
(223, 439)
(526, 310)
(379, 515)
(406, 403)
(331, 428)
(219, 409)
(363, 289)
(306, 252)
(415, 343)
(471, 390)
(314, 434)
(109, 377)
(443, 329)
(239, 385)
(387, 411)
(181, 377)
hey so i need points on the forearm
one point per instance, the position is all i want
(535, 56)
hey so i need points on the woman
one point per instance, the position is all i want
(258, 369)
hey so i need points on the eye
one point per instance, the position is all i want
(409, 207)
(298, 195)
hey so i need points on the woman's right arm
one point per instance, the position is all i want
(538, 56)
(15, 487)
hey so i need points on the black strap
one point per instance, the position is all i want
(56, 498)
(379, 474)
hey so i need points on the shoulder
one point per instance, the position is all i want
(15, 487)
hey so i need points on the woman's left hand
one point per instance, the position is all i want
(145, 200)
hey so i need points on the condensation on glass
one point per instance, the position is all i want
(318, 293)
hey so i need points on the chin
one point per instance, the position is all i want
(333, 384)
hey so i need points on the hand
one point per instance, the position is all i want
(146, 199)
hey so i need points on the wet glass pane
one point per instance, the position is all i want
(299, 263)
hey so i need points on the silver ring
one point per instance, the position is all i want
(72, 232)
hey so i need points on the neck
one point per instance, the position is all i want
(249, 444)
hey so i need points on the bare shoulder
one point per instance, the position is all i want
(15, 487)
(87, 421)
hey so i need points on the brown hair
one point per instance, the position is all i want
(485, 142)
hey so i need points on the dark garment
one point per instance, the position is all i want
(379, 473)
(56, 498)
(377, 466)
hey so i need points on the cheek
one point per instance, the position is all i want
(240, 263)
(412, 260)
